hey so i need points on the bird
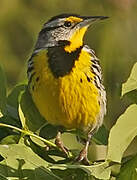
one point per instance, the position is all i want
(65, 78)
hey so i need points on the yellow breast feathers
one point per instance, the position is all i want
(71, 100)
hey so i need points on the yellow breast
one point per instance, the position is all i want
(70, 101)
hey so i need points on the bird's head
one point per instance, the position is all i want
(66, 29)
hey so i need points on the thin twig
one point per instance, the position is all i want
(30, 134)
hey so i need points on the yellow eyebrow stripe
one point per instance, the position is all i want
(74, 19)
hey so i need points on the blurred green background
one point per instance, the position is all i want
(114, 40)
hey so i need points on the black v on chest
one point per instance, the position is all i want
(60, 61)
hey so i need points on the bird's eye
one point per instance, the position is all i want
(67, 23)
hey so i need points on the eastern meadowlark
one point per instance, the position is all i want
(65, 78)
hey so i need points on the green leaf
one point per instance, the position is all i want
(131, 97)
(11, 139)
(7, 131)
(39, 150)
(128, 170)
(4, 132)
(12, 112)
(101, 137)
(1, 114)
(22, 118)
(13, 97)
(21, 162)
(9, 120)
(131, 83)
(2, 91)
(98, 170)
(3, 170)
(32, 119)
(122, 133)
(13, 101)
(71, 174)
(49, 131)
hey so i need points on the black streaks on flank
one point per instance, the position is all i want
(97, 84)
(96, 67)
(30, 63)
(81, 80)
(37, 79)
(33, 88)
(96, 61)
(88, 79)
(31, 68)
(31, 76)
(34, 54)
(97, 74)
(99, 78)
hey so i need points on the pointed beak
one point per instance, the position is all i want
(88, 20)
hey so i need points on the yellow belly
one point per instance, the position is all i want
(70, 101)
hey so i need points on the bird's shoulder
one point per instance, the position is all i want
(90, 51)
(36, 61)
(95, 63)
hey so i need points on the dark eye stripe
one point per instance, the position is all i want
(49, 29)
